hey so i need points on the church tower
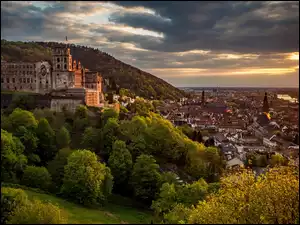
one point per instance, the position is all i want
(266, 104)
(202, 100)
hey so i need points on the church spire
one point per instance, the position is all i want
(266, 104)
(202, 101)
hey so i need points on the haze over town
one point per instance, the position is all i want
(185, 43)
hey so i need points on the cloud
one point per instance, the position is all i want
(173, 40)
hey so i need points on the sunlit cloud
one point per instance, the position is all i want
(237, 56)
(192, 52)
(294, 56)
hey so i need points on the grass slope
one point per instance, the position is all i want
(109, 214)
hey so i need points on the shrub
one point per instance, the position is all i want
(36, 177)
(37, 212)
(11, 199)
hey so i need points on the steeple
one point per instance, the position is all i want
(266, 104)
(202, 100)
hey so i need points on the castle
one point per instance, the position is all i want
(66, 81)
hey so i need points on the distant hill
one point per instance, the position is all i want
(126, 76)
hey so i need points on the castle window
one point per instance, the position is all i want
(57, 75)
(2, 80)
(28, 80)
(7, 80)
(27, 66)
(34, 81)
(13, 80)
(65, 59)
(23, 72)
(15, 88)
(20, 80)
(58, 60)
(46, 81)
(20, 87)
(65, 66)
(24, 80)
(58, 66)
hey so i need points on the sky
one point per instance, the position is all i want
(188, 43)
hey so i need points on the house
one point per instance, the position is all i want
(234, 162)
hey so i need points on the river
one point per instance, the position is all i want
(288, 98)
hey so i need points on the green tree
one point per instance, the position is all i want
(92, 139)
(145, 178)
(110, 134)
(120, 162)
(81, 112)
(56, 166)
(86, 180)
(36, 177)
(20, 117)
(13, 161)
(28, 139)
(108, 113)
(46, 148)
(25, 102)
(63, 138)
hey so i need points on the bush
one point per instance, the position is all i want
(11, 199)
(36, 177)
(37, 212)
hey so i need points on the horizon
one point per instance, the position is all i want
(237, 44)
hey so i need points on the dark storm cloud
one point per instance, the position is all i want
(194, 25)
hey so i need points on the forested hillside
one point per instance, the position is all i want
(126, 76)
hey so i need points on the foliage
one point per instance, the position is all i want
(108, 113)
(171, 195)
(110, 133)
(36, 177)
(11, 199)
(63, 138)
(25, 102)
(46, 148)
(141, 107)
(20, 117)
(81, 112)
(12, 159)
(36, 212)
(277, 160)
(56, 166)
(92, 139)
(28, 139)
(145, 178)
(86, 180)
(168, 177)
(271, 198)
(120, 162)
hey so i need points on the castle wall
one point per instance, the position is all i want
(29, 77)
(57, 104)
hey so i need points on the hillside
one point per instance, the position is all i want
(126, 76)
(110, 213)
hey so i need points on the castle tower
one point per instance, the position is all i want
(266, 104)
(62, 68)
(202, 101)
(74, 65)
